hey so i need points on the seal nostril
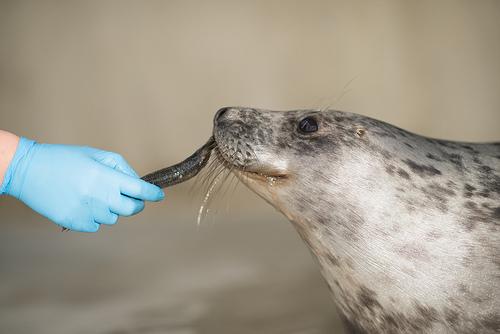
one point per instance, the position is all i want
(221, 113)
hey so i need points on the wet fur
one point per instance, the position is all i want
(405, 228)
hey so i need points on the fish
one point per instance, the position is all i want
(184, 170)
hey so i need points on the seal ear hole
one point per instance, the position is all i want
(360, 132)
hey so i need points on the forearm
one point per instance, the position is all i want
(8, 145)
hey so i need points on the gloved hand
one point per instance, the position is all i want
(78, 188)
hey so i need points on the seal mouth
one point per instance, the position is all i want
(257, 173)
(264, 177)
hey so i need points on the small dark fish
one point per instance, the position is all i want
(184, 170)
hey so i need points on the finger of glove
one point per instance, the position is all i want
(113, 160)
(126, 206)
(102, 215)
(89, 226)
(94, 227)
(140, 189)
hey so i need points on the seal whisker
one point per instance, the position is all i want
(227, 182)
(212, 169)
(345, 90)
(222, 187)
(218, 170)
(208, 199)
(212, 174)
(209, 168)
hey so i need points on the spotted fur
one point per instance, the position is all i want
(405, 228)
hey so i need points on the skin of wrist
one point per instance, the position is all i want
(8, 146)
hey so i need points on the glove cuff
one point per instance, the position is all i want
(22, 150)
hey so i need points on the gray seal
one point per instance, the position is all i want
(405, 228)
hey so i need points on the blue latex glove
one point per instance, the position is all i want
(78, 188)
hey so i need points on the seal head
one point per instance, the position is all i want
(405, 228)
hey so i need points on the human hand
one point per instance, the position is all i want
(76, 187)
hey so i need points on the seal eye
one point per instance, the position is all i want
(308, 125)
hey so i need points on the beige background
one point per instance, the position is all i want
(144, 78)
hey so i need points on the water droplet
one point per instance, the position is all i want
(271, 180)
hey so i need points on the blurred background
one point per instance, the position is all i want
(144, 78)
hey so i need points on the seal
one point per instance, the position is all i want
(405, 228)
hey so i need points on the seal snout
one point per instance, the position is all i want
(232, 138)
(243, 136)
(226, 114)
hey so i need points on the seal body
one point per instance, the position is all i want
(405, 228)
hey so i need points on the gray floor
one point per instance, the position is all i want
(243, 270)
